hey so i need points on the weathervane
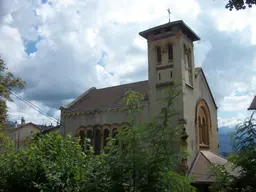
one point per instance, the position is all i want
(169, 13)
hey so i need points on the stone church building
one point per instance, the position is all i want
(96, 113)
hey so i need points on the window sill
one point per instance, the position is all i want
(204, 146)
(190, 86)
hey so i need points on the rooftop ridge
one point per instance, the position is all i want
(116, 86)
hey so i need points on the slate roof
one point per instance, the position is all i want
(253, 104)
(200, 171)
(107, 97)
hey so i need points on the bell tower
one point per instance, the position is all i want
(170, 58)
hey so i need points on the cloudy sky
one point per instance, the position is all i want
(63, 47)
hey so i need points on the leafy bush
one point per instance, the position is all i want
(243, 167)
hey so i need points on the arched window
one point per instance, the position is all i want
(82, 139)
(114, 133)
(106, 135)
(97, 141)
(203, 124)
(89, 138)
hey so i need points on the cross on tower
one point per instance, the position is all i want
(169, 13)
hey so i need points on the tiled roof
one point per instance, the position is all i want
(253, 104)
(107, 97)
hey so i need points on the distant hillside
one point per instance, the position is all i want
(224, 139)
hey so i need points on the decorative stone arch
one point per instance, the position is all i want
(81, 128)
(114, 127)
(80, 132)
(203, 124)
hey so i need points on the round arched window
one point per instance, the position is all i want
(203, 124)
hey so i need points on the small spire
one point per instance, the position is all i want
(169, 13)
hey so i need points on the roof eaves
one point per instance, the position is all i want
(178, 22)
(103, 107)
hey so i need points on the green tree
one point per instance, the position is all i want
(49, 163)
(148, 154)
(240, 4)
(8, 82)
(243, 161)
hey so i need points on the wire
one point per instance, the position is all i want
(34, 107)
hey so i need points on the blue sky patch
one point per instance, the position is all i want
(31, 47)
(101, 61)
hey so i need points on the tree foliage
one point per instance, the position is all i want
(142, 157)
(243, 161)
(240, 4)
(8, 82)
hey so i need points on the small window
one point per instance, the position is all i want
(158, 54)
(159, 76)
(171, 74)
(170, 52)
(31, 132)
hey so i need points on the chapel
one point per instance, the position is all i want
(96, 113)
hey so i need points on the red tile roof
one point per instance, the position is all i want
(253, 104)
(107, 97)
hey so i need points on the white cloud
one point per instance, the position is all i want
(233, 121)
(11, 46)
(235, 103)
(236, 21)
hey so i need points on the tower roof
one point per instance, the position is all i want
(179, 24)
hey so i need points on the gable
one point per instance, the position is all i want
(26, 130)
(199, 72)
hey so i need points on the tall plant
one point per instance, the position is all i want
(242, 176)
(148, 155)
(8, 82)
